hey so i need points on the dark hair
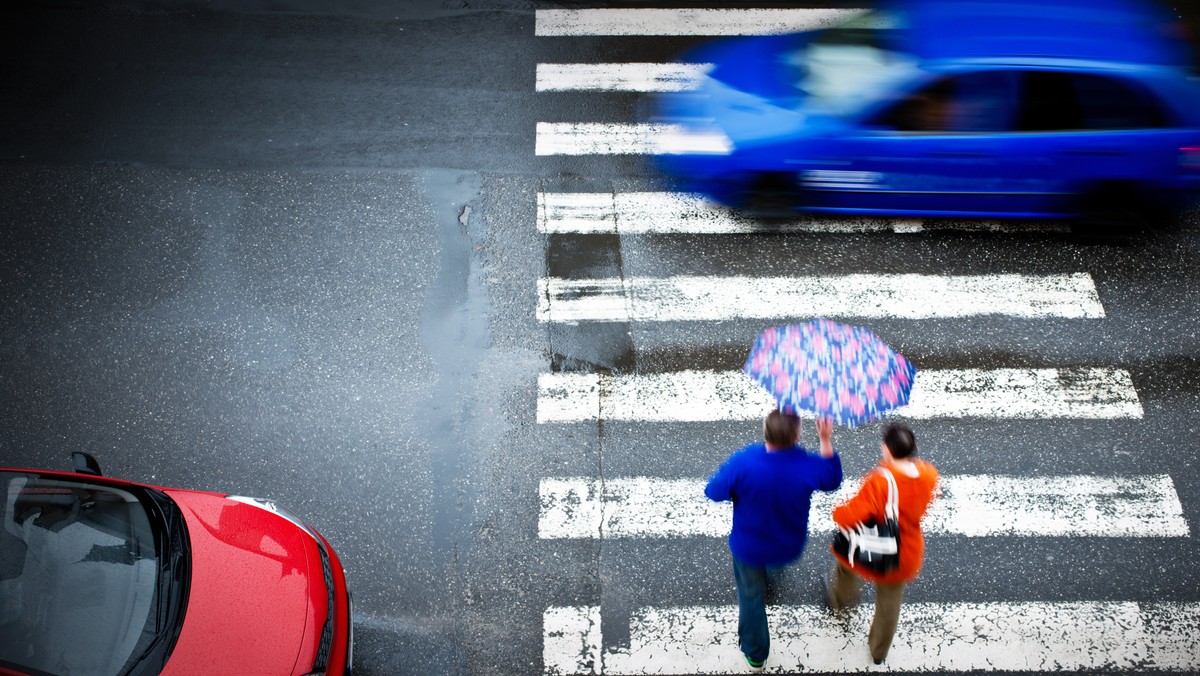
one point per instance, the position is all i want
(781, 429)
(900, 440)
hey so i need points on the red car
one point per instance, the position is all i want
(101, 576)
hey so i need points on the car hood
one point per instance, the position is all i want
(248, 602)
(747, 97)
(756, 65)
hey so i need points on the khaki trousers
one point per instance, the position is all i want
(846, 590)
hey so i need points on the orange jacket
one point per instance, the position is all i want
(915, 495)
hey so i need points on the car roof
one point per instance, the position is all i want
(1126, 31)
(1050, 63)
(1172, 87)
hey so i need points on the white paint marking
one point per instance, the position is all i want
(1028, 637)
(710, 396)
(1024, 394)
(636, 213)
(571, 640)
(595, 138)
(908, 296)
(647, 21)
(620, 77)
(974, 506)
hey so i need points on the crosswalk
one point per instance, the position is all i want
(708, 396)
(664, 213)
(1017, 635)
(910, 296)
(618, 77)
(707, 22)
(972, 506)
(959, 637)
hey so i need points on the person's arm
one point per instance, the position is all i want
(936, 492)
(865, 505)
(825, 433)
(720, 484)
(830, 479)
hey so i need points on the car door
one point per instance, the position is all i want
(941, 149)
(1098, 131)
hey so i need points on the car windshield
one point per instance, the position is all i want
(844, 66)
(79, 575)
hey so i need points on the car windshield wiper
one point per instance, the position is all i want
(160, 611)
(172, 582)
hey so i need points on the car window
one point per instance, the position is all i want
(1113, 103)
(973, 102)
(79, 567)
(1059, 101)
(1049, 103)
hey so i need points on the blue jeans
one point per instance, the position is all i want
(753, 637)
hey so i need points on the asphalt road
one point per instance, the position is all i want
(290, 249)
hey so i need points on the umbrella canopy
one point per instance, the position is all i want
(831, 370)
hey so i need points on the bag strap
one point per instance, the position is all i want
(892, 508)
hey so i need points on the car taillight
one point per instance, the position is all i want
(1189, 157)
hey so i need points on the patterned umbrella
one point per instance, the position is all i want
(831, 370)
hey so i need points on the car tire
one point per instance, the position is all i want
(1111, 212)
(771, 197)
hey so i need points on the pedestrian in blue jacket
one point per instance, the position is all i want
(771, 485)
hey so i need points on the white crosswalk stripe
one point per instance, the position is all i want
(971, 505)
(908, 296)
(709, 396)
(654, 21)
(620, 77)
(666, 213)
(1032, 636)
(623, 138)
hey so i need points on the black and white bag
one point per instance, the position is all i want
(870, 544)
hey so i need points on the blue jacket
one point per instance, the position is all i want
(771, 494)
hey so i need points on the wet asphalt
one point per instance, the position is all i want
(289, 249)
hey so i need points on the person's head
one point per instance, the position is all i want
(781, 429)
(898, 441)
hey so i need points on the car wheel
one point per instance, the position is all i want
(771, 197)
(1110, 213)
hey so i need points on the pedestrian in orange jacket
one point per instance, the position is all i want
(916, 484)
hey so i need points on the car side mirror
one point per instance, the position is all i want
(85, 464)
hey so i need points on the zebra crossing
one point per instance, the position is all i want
(970, 637)
(984, 636)
(706, 22)
(638, 213)
(970, 505)
(909, 296)
(707, 396)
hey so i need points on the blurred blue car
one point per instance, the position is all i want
(955, 108)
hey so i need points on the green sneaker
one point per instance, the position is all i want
(755, 666)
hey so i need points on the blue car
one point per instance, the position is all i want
(948, 108)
